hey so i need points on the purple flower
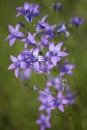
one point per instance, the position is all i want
(45, 67)
(29, 11)
(15, 34)
(55, 82)
(62, 29)
(57, 6)
(44, 121)
(69, 96)
(49, 31)
(37, 59)
(32, 58)
(43, 43)
(76, 21)
(25, 74)
(60, 101)
(29, 40)
(55, 54)
(42, 24)
(44, 94)
(17, 64)
(66, 68)
(47, 102)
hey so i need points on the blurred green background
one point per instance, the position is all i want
(19, 105)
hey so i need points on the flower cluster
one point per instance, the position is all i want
(42, 53)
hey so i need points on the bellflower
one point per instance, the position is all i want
(55, 54)
(62, 29)
(44, 121)
(41, 24)
(66, 68)
(44, 94)
(49, 31)
(69, 96)
(29, 40)
(29, 11)
(46, 67)
(15, 34)
(17, 64)
(32, 58)
(55, 82)
(76, 21)
(47, 103)
(44, 42)
(59, 101)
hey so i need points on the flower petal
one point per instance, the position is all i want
(12, 66)
(16, 72)
(12, 41)
(58, 46)
(11, 29)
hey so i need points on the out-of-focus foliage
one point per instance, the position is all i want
(19, 105)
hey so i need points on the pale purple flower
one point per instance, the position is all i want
(30, 39)
(29, 11)
(44, 42)
(42, 24)
(37, 59)
(15, 34)
(17, 64)
(44, 121)
(25, 74)
(47, 104)
(49, 31)
(76, 21)
(69, 96)
(55, 82)
(66, 68)
(45, 67)
(59, 101)
(62, 29)
(32, 58)
(55, 54)
(44, 94)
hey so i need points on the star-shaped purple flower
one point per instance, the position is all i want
(66, 68)
(49, 31)
(69, 96)
(55, 54)
(29, 11)
(15, 34)
(42, 24)
(17, 64)
(60, 101)
(29, 40)
(44, 121)
(44, 42)
(55, 82)
(47, 102)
